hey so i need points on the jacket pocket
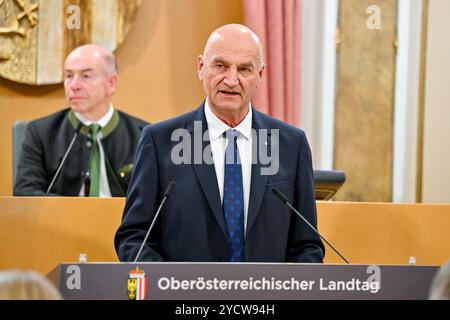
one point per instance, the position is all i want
(280, 185)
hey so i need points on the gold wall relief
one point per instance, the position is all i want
(365, 98)
(35, 37)
(14, 21)
(18, 30)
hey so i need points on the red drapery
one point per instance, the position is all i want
(278, 23)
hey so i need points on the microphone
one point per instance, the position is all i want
(75, 135)
(166, 195)
(283, 199)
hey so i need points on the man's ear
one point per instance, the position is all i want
(113, 81)
(200, 65)
(260, 75)
(261, 72)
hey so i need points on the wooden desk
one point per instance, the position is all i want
(386, 233)
(39, 233)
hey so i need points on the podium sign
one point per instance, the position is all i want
(240, 281)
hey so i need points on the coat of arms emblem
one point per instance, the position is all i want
(137, 285)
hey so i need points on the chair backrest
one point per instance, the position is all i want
(18, 134)
(327, 183)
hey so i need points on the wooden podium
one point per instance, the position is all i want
(39, 233)
(240, 281)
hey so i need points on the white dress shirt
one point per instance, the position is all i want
(219, 144)
(105, 191)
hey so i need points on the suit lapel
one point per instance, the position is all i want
(258, 182)
(206, 173)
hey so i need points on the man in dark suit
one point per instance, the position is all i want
(100, 161)
(222, 208)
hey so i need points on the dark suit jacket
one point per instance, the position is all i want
(46, 142)
(191, 226)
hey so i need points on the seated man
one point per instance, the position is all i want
(100, 160)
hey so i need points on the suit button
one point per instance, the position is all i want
(88, 144)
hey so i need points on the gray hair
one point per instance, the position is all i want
(111, 64)
(26, 285)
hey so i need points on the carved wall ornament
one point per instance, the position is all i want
(37, 35)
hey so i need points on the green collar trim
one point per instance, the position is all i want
(106, 131)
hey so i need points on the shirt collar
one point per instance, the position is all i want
(217, 127)
(103, 120)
